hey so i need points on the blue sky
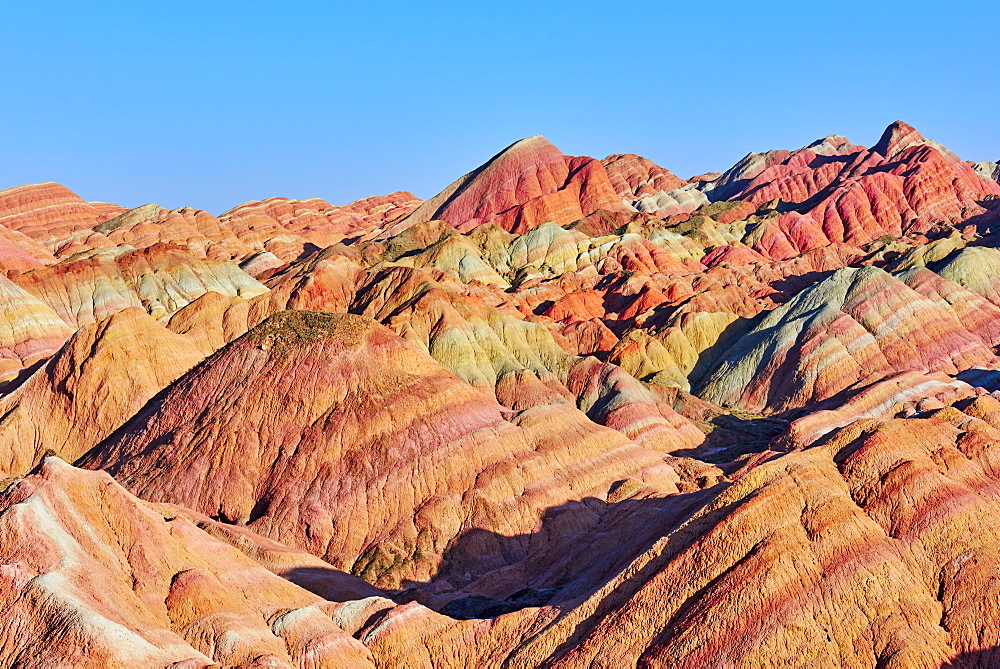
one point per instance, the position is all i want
(209, 104)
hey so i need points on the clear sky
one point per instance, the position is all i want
(211, 103)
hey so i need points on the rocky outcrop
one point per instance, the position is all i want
(94, 577)
(55, 217)
(634, 177)
(528, 183)
(481, 407)
(855, 327)
(291, 228)
(161, 279)
(361, 448)
(103, 375)
(29, 331)
(838, 192)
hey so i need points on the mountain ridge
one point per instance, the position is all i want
(567, 412)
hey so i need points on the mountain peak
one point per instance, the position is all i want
(899, 136)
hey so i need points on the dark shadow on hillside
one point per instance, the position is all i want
(22, 375)
(478, 606)
(542, 307)
(580, 546)
(308, 249)
(711, 355)
(795, 283)
(986, 658)
(571, 531)
(664, 316)
(988, 379)
(737, 435)
(332, 584)
(987, 224)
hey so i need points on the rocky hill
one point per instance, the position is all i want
(568, 412)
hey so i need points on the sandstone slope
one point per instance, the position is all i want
(567, 412)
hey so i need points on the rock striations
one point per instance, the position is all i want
(339, 402)
(95, 577)
(568, 412)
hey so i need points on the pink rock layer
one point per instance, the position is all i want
(568, 412)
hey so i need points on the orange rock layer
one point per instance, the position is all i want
(568, 412)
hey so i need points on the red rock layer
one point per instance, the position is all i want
(380, 489)
(161, 278)
(83, 392)
(634, 177)
(529, 183)
(29, 330)
(494, 419)
(845, 193)
(272, 224)
(61, 224)
(202, 234)
(94, 577)
(857, 326)
(54, 216)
